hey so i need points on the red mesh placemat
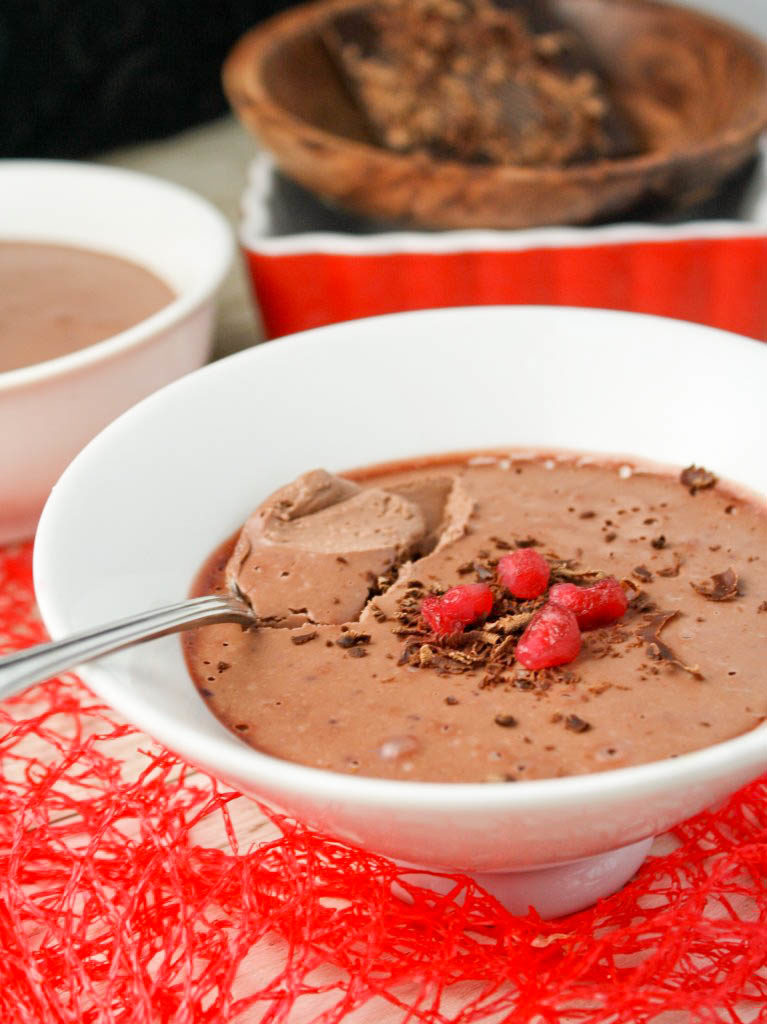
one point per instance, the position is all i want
(126, 896)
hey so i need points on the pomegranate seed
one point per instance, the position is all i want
(598, 605)
(552, 638)
(458, 607)
(524, 573)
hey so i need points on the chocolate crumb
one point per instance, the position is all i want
(658, 542)
(762, 607)
(205, 692)
(303, 638)
(576, 724)
(342, 560)
(696, 478)
(242, 727)
(452, 701)
(357, 652)
(223, 666)
(506, 721)
(643, 573)
(671, 571)
(465, 569)
(610, 537)
(502, 545)
(725, 587)
(527, 542)
(588, 514)
(351, 639)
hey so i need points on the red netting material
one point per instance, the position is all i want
(125, 896)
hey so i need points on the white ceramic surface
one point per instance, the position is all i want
(50, 410)
(136, 513)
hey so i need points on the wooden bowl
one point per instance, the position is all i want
(694, 88)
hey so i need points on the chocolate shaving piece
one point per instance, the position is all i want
(351, 639)
(610, 537)
(658, 542)
(465, 569)
(357, 652)
(588, 514)
(509, 624)
(378, 613)
(501, 544)
(505, 721)
(762, 607)
(527, 542)
(671, 571)
(452, 701)
(576, 724)
(725, 587)
(696, 478)
(425, 655)
(223, 666)
(304, 638)
(643, 573)
(567, 571)
(656, 649)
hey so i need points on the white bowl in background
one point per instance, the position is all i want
(49, 410)
(179, 472)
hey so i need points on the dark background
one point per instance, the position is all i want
(81, 76)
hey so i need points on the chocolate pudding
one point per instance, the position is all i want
(345, 673)
(55, 299)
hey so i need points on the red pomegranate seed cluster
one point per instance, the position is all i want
(553, 635)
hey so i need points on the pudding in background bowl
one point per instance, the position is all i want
(125, 228)
(179, 473)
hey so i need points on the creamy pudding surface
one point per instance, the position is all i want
(56, 299)
(345, 674)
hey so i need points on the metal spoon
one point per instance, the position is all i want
(43, 661)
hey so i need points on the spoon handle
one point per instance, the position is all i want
(43, 661)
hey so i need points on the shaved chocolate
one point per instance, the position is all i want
(762, 607)
(657, 542)
(696, 478)
(656, 649)
(505, 721)
(303, 638)
(671, 571)
(502, 545)
(726, 586)
(576, 724)
(351, 639)
(642, 573)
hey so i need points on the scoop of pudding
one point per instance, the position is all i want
(315, 549)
